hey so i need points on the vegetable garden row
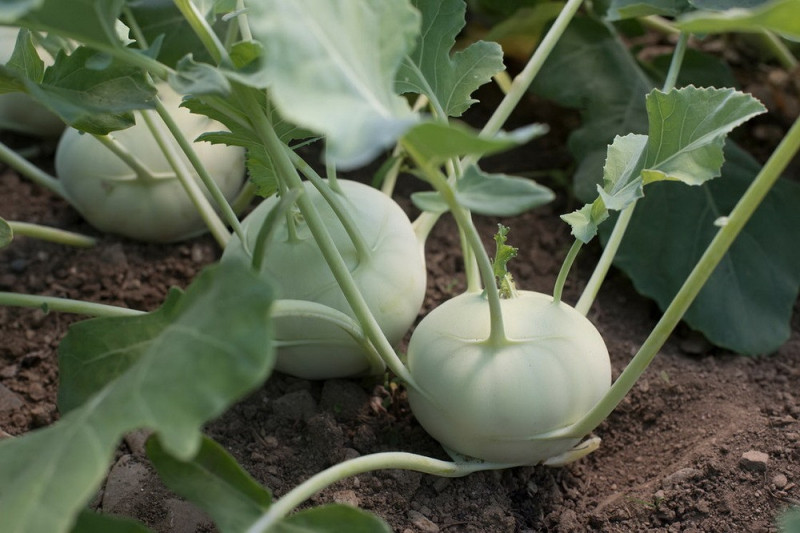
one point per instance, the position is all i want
(170, 104)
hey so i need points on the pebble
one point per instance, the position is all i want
(422, 523)
(9, 401)
(754, 461)
(346, 497)
(125, 481)
(780, 481)
(296, 406)
(183, 517)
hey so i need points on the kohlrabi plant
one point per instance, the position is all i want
(326, 275)
(126, 182)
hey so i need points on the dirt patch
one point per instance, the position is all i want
(706, 441)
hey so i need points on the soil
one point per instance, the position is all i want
(707, 441)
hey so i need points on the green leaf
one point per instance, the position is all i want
(591, 70)
(162, 19)
(585, 221)
(489, 194)
(747, 304)
(437, 142)
(499, 194)
(687, 130)
(779, 16)
(624, 9)
(622, 184)
(431, 70)
(91, 522)
(86, 21)
(213, 348)
(519, 35)
(332, 66)
(195, 78)
(215, 482)
(12, 10)
(332, 518)
(6, 233)
(92, 92)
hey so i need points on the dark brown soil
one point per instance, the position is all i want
(706, 442)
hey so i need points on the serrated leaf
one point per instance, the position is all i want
(215, 482)
(332, 65)
(747, 303)
(191, 77)
(333, 518)
(89, 98)
(779, 16)
(6, 233)
(213, 348)
(687, 131)
(585, 221)
(449, 80)
(437, 142)
(91, 522)
(624, 9)
(621, 174)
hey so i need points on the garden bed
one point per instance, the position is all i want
(707, 441)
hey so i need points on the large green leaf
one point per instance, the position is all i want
(780, 16)
(591, 70)
(215, 482)
(332, 66)
(747, 303)
(213, 349)
(431, 70)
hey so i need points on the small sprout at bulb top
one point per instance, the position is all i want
(503, 254)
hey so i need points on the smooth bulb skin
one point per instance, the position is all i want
(392, 279)
(486, 401)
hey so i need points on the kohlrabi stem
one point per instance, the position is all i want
(778, 48)
(31, 171)
(65, 305)
(170, 151)
(621, 225)
(330, 173)
(285, 168)
(336, 203)
(741, 213)
(300, 309)
(497, 334)
(241, 19)
(604, 263)
(228, 214)
(565, 268)
(56, 235)
(203, 31)
(472, 272)
(367, 463)
(134, 163)
(519, 87)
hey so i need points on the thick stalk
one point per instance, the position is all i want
(203, 31)
(565, 268)
(497, 335)
(279, 152)
(52, 234)
(65, 305)
(241, 19)
(519, 87)
(183, 174)
(789, 146)
(228, 215)
(604, 263)
(134, 163)
(363, 249)
(607, 257)
(31, 171)
(367, 463)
